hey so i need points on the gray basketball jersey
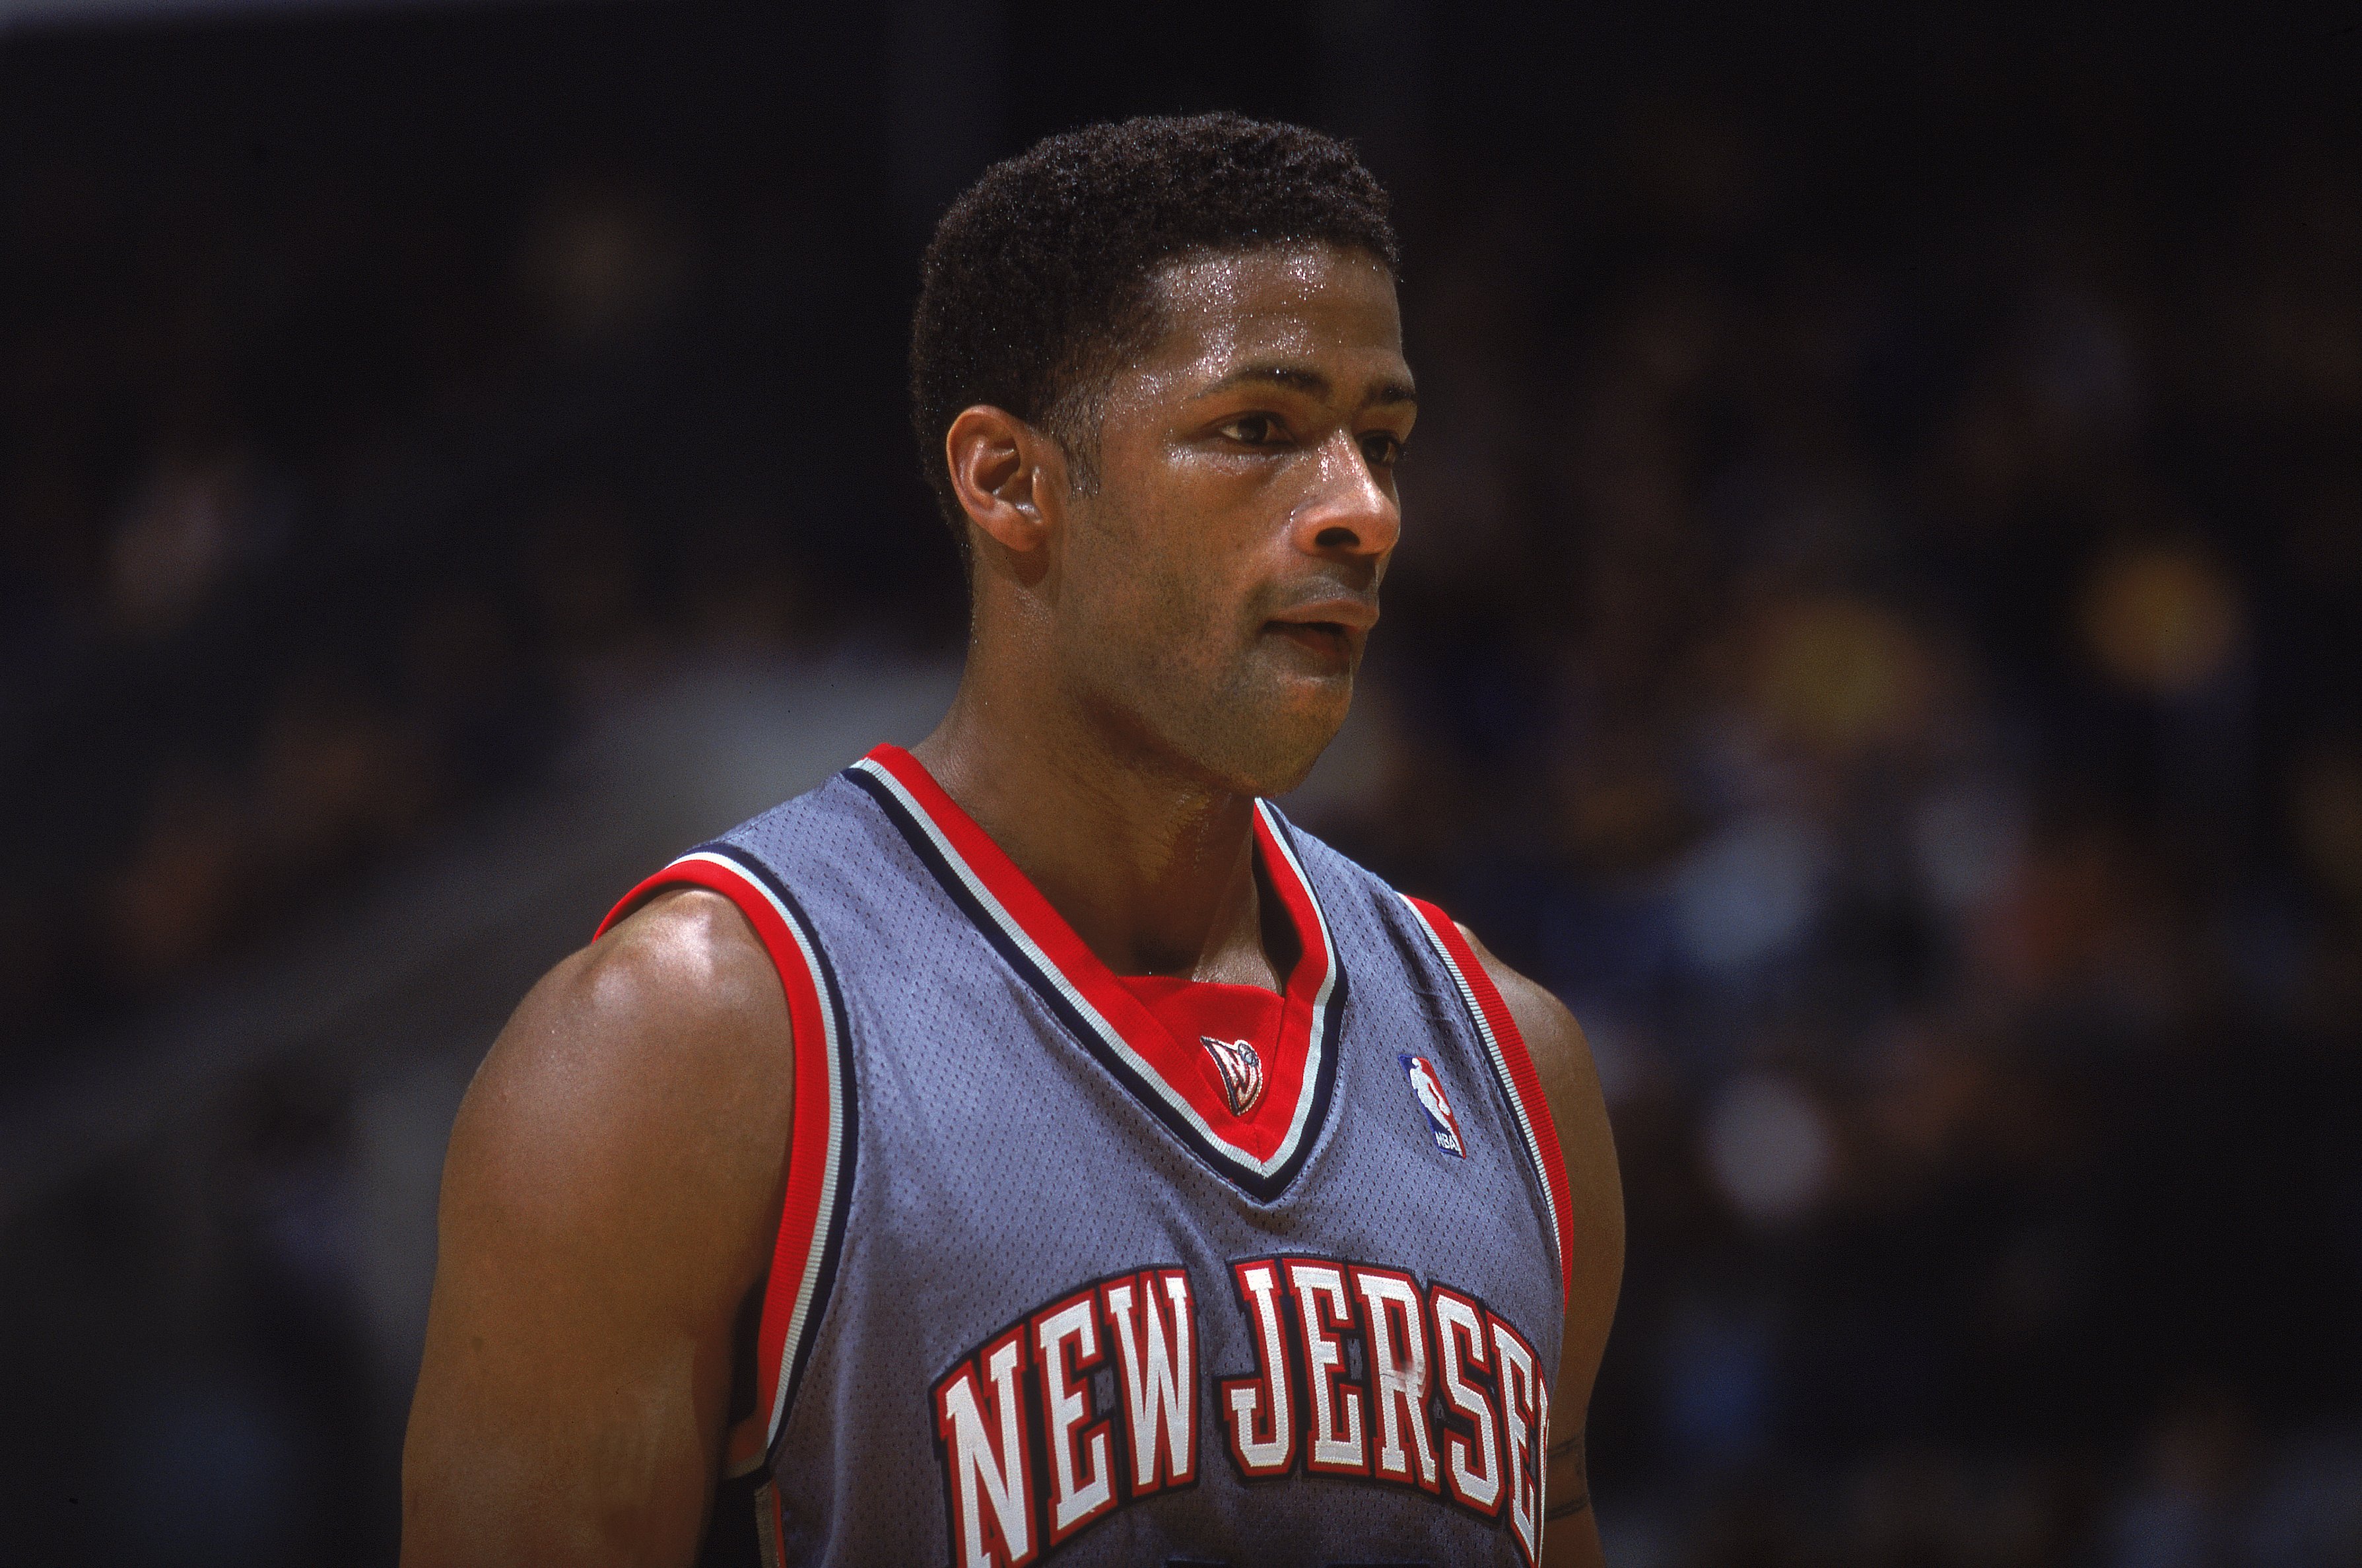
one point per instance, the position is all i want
(1054, 1281)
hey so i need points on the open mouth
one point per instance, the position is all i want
(1332, 640)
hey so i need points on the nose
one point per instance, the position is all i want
(1349, 510)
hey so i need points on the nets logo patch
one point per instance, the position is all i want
(1242, 1071)
(1429, 1088)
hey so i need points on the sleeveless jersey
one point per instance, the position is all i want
(1054, 1283)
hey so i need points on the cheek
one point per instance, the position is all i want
(1147, 580)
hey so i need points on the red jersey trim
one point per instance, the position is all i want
(819, 1154)
(1514, 1066)
(1178, 1078)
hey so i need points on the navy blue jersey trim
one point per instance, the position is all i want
(1262, 1188)
(1332, 1023)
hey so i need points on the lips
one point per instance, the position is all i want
(1321, 636)
(1344, 612)
(1331, 628)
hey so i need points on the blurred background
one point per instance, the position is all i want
(1878, 634)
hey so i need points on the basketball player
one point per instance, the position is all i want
(1033, 1144)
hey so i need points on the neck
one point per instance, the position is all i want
(1155, 871)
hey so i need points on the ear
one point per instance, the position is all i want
(1009, 477)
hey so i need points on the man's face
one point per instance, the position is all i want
(1216, 588)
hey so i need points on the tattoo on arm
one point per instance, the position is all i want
(1570, 1448)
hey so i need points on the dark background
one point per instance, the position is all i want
(1877, 633)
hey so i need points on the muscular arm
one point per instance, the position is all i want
(1571, 1086)
(613, 1183)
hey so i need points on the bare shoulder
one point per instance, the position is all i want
(663, 1049)
(612, 1186)
(678, 991)
(638, 1105)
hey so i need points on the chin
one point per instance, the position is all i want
(1267, 746)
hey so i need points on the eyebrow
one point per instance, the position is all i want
(1299, 377)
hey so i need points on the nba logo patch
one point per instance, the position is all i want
(1429, 1088)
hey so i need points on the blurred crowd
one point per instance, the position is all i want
(349, 446)
(1904, 695)
(1888, 658)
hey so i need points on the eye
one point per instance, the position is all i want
(1382, 450)
(1253, 429)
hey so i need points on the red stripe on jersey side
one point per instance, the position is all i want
(770, 1525)
(742, 1445)
(1516, 1065)
(1182, 1067)
(813, 1135)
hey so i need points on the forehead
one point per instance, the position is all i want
(1312, 302)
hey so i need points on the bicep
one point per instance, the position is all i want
(603, 1216)
(1571, 1084)
(554, 1421)
(1595, 1191)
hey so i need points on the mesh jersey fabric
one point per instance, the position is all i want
(996, 1159)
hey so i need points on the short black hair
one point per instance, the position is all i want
(1039, 281)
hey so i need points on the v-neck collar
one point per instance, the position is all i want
(1175, 1080)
